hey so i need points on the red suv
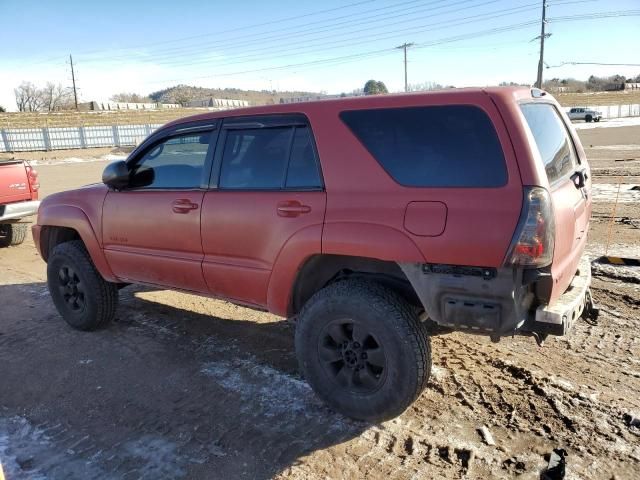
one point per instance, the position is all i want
(368, 219)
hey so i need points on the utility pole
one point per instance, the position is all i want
(404, 47)
(542, 37)
(73, 79)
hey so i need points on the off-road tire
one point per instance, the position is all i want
(588, 118)
(70, 265)
(393, 324)
(12, 234)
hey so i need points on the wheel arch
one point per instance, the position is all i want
(321, 270)
(63, 223)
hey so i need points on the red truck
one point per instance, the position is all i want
(369, 220)
(18, 200)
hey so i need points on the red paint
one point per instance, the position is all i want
(18, 182)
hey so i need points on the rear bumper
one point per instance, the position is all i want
(15, 211)
(558, 318)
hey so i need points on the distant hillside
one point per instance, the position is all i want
(183, 93)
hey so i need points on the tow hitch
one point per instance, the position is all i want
(591, 312)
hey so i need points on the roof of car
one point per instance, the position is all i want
(381, 101)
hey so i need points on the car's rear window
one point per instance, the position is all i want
(552, 139)
(439, 146)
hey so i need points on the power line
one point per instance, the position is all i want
(323, 62)
(356, 39)
(562, 64)
(252, 26)
(289, 36)
(596, 15)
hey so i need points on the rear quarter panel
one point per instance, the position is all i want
(366, 207)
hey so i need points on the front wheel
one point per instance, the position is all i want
(82, 297)
(12, 234)
(362, 349)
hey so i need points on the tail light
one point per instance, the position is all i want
(32, 176)
(533, 242)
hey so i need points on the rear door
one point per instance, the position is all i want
(266, 188)
(151, 231)
(570, 187)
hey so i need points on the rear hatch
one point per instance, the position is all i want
(568, 174)
(14, 183)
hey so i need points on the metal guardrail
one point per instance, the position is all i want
(61, 138)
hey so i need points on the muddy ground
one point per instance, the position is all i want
(187, 387)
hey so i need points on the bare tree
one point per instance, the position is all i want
(28, 98)
(424, 86)
(56, 97)
(129, 98)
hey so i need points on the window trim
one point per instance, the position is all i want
(292, 121)
(179, 130)
(420, 187)
(567, 176)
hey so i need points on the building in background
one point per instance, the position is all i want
(217, 103)
(115, 106)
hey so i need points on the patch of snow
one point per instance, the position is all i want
(62, 161)
(614, 147)
(608, 192)
(276, 392)
(159, 458)
(438, 373)
(612, 123)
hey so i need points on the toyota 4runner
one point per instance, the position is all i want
(373, 221)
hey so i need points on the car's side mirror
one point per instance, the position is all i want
(116, 175)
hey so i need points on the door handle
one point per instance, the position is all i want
(292, 209)
(183, 206)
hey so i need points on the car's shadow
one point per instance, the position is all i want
(222, 396)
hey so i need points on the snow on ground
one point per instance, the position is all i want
(616, 147)
(608, 192)
(59, 161)
(614, 122)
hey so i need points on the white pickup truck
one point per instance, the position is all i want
(586, 114)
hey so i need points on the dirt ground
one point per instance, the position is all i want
(182, 386)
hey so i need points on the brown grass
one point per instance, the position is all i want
(78, 119)
(598, 98)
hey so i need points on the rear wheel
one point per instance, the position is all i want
(12, 234)
(82, 297)
(362, 349)
(588, 118)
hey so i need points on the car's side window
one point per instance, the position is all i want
(552, 139)
(269, 158)
(176, 162)
(303, 168)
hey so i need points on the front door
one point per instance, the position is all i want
(151, 231)
(267, 189)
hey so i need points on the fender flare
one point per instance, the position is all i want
(72, 217)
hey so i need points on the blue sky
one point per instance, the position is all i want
(330, 46)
